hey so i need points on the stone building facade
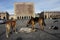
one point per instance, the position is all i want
(4, 15)
(50, 14)
(24, 10)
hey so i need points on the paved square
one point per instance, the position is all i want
(38, 35)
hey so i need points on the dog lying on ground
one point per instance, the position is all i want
(26, 30)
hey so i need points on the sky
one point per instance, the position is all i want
(39, 5)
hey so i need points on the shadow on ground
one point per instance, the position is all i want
(19, 38)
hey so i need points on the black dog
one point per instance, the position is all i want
(54, 27)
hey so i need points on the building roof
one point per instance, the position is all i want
(52, 11)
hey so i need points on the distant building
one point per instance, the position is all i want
(4, 15)
(37, 15)
(24, 10)
(50, 14)
(11, 17)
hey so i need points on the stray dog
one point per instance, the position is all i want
(10, 25)
(26, 30)
(53, 27)
(35, 20)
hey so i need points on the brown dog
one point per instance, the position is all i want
(40, 20)
(10, 25)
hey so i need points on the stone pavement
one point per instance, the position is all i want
(38, 35)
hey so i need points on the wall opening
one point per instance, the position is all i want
(45, 16)
(25, 17)
(22, 17)
(3, 17)
(17, 17)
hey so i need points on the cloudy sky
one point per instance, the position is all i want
(39, 5)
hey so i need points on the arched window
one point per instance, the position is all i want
(3, 17)
(17, 17)
(29, 17)
(12, 18)
(22, 17)
(26, 17)
(45, 16)
(50, 16)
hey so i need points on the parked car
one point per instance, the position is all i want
(2, 21)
